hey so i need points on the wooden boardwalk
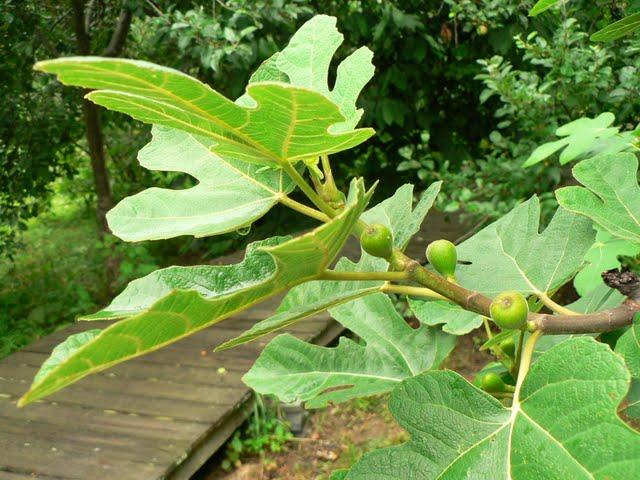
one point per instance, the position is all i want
(160, 416)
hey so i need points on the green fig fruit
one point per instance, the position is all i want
(377, 240)
(491, 382)
(509, 310)
(443, 257)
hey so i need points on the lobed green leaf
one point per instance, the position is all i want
(562, 425)
(285, 123)
(610, 196)
(294, 370)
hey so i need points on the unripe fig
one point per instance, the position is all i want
(491, 382)
(443, 257)
(482, 29)
(508, 347)
(377, 240)
(509, 310)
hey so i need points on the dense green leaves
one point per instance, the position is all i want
(562, 425)
(169, 312)
(610, 196)
(286, 123)
(617, 29)
(229, 195)
(512, 253)
(294, 370)
(628, 345)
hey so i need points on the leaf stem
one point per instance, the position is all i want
(412, 291)
(553, 306)
(363, 276)
(487, 328)
(516, 363)
(525, 361)
(304, 209)
(308, 191)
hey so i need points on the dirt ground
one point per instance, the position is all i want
(336, 437)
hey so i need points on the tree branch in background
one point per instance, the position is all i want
(116, 44)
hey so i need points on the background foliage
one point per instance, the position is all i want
(463, 90)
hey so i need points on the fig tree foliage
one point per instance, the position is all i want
(557, 411)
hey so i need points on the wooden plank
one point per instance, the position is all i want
(158, 416)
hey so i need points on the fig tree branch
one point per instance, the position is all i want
(604, 321)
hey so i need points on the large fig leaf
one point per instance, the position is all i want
(178, 302)
(286, 124)
(294, 370)
(610, 196)
(602, 256)
(563, 424)
(230, 193)
(512, 253)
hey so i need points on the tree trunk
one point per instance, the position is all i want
(94, 128)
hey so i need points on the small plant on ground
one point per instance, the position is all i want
(266, 432)
(548, 407)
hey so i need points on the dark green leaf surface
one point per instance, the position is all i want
(170, 313)
(563, 425)
(512, 252)
(294, 370)
(610, 196)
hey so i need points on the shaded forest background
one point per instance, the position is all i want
(464, 91)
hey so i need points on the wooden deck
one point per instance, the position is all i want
(160, 416)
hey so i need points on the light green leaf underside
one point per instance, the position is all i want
(397, 212)
(511, 252)
(65, 350)
(602, 256)
(618, 29)
(584, 136)
(306, 60)
(294, 370)
(287, 123)
(541, 6)
(453, 318)
(611, 197)
(309, 299)
(563, 426)
(213, 295)
(230, 194)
